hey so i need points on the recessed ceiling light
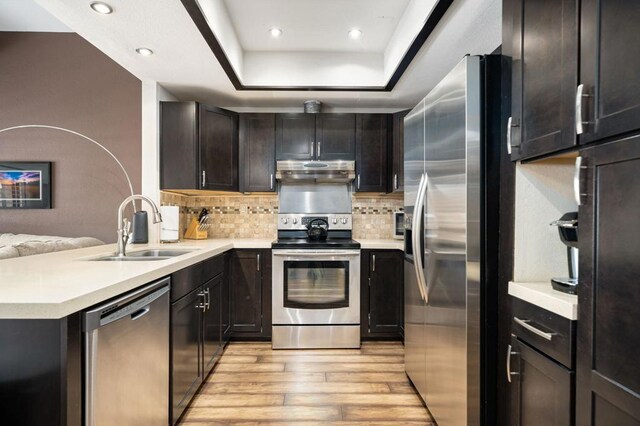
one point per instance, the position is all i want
(355, 33)
(144, 51)
(275, 32)
(101, 7)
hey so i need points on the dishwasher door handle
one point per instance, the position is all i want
(140, 313)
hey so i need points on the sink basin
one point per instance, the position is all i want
(144, 255)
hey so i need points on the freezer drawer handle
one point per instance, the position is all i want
(534, 330)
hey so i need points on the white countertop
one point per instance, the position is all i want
(544, 296)
(54, 285)
(389, 244)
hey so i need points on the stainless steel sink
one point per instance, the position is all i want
(144, 255)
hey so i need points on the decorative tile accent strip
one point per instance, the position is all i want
(255, 216)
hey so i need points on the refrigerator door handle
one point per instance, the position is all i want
(417, 234)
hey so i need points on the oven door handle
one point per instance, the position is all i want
(319, 253)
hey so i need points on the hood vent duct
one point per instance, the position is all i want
(316, 171)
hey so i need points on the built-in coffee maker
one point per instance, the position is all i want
(568, 230)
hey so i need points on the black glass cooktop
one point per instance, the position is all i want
(304, 243)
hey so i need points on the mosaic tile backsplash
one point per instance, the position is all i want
(255, 216)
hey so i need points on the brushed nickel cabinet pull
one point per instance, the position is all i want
(258, 262)
(534, 330)
(204, 178)
(373, 263)
(509, 354)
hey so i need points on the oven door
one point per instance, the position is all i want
(316, 287)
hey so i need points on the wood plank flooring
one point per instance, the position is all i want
(255, 385)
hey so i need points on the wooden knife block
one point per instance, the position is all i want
(193, 233)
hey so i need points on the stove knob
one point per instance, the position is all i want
(285, 220)
(343, 220)
(334, 221)
(295, 220)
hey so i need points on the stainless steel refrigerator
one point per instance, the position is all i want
(451, 205)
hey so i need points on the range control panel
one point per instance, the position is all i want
(294, 222)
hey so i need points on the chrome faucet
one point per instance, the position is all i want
(124, 225)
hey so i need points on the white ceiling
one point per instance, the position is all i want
(312, 25)
(184, 64)
(26, 15)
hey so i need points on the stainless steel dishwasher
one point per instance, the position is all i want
(127, 359)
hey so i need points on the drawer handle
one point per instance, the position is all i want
(509, 372)
(526, 325)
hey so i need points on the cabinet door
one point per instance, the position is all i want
(186, 337)
(257, 152)
(544, 77)
(218, 149)
(371, 152)
(295, 136)
(386, 284)
(609, 64)
(336, 137)
(179, 145)
(212, 327)
(542, 393)
(246, 291)
(608, 377)
(397, 152)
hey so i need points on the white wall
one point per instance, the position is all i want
(152, 94)
(544, 192)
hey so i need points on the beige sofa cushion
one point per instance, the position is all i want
(8, 252)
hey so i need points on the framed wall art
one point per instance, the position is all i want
(25, 185)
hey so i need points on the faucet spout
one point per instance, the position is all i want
(123, 224)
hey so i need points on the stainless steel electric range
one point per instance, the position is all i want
(316, 268)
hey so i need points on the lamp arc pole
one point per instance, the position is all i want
(73, 132)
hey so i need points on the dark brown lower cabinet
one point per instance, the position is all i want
(197, 334)
(541, 389)
(608, 372)
(250, 291)
(381, 294)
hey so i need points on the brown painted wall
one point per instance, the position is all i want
(62, 80)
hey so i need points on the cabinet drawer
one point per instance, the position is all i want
(212, 267)
(547, 332)
(186, 280)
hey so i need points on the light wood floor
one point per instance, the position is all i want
(255, 385)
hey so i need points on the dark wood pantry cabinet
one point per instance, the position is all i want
(257, 152)
(381, 294)
(321, 136)
(609, 67)
(198, 147)
(544, 76)
(608, 376)
(250, 276)
(372, 138)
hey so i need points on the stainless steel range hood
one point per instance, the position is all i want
(316, 171)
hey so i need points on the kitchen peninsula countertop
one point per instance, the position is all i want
(54, 285)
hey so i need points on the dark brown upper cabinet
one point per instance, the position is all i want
(295, 136)
(544, 77)
(325, 137)
(609, 64)
(372, 136)
(335, 137)
(257, 152)
(198, 147)
(608, 377)
(396, 174)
